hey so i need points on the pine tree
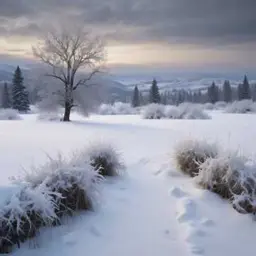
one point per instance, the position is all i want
(227, 92)
(6, 101)
(240, 92)
(213, 93)
(136, 97)
(154, 96)
(246, 92)
(20, 99)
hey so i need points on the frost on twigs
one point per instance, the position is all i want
(190, 154)
(105, 159)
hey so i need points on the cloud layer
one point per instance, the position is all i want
(184, 21)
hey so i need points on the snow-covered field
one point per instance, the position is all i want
(152, 210)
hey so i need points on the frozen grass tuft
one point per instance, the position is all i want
(229, 175)
(190, 154)
(58, 188)
(105, 159)
(9, 114)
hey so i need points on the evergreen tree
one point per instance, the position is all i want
(227, 92)
(20, 99)
(240, 92)
(246, 93)
(6, 101)
(136, 97)
(154, 96)
(213, 93)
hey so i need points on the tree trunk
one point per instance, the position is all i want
(67, 112)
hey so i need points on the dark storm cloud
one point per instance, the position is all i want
(196, 21)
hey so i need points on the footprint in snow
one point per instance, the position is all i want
(207, 222)
(94, 231)
(177, 192)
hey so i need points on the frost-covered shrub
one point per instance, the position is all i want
(172, 112)
(194, 113)
(232, 178)
(9, 114)
(59, 187)
(49, 116)
(118, 108)
(74, 179)
(105, 159)
(243, 106)
(190, 154)
(24, 213)
(153, 111)
(183, 111)
(220, 105)
(208, 106)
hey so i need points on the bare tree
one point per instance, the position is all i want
(66, 53)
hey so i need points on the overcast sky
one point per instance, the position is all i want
(173, 34)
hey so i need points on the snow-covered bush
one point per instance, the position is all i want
(9, 114)
(183, 111)
(243, 106)
(118, 108)
(105, 159)
(208, 106)
(172, 112)
(190, 154)
(220, 105)
(49, 116)
(59, 187)
(24, 213)
(153, 111)
(191, 111)
(232, 178)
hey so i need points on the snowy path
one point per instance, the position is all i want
(136, 218)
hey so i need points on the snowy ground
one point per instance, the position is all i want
(147, 212)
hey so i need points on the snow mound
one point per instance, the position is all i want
(49, 116)
(243, 106)
(9, 114)
(118, 108)
(233, 178)
(105, 159)
(190, 154)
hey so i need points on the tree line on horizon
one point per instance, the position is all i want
(212, 94)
